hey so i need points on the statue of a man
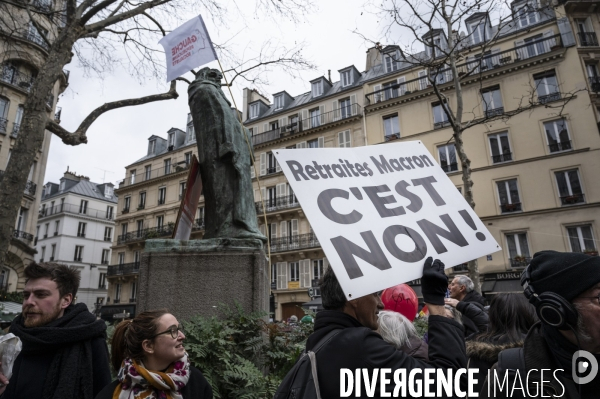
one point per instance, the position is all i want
(225, 159)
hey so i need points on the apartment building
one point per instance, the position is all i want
(149, 199)
(22, 53)
(532, 172)
(76, 227)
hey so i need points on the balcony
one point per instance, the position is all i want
(587, 39)
(507, 156)
(391, 137)
(508, 208)
(468, 69)
(3, 123)
(16, 78)
(304, 125)
(198, 224)
(572, 199)
(594, 84)
(37, 39)
(294, 243)
(30, 187)
(123, 270)
(147, 175)
(75, 209)
(549, 98)
(145, 234)
(15, 131)
(490, 113)
(520, 261)
(562, 146)
(23, 236)
(277, 204)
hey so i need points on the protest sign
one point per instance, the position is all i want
(187, 47)
(187, 209)
(380, 211)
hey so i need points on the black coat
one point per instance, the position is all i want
(196, 388)
(474, 318)
(358, 347)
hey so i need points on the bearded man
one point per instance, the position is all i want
(64, 353)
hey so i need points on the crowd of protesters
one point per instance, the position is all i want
(65, 356)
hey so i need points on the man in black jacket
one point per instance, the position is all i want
(357, 345)
(462, 289)
(64, 354)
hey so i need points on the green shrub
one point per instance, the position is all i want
(421, 325)
(11, 296)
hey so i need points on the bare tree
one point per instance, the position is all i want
(453, 60)
(94, 32)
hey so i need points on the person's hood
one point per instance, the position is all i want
(488, 351)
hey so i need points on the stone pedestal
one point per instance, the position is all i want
(191, 278)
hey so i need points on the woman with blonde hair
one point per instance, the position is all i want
(397, 330)
(148, 354)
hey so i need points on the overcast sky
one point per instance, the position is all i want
(119, 137)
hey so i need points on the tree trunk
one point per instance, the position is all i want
(30, 138)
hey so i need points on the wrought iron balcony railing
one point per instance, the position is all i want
(391, 137)
(123, 269)
(549, 98)
(470, 68)
(16, 78)
(15, 131)
(152, 174)
(572, 199)
(75, 209)
(594, 83)
(37, 39)
(587, 39)
(3, 123)
(311, 122)
(145, 234)
(508, 208)
(277, 204)
(507, 156)
(293, 243)
(562, 146)
(520, 261)
(23, 236)
(489, 113)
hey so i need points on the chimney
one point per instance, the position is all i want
(329, 74)
(374, 56)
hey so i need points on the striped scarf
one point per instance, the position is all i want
(139, 383)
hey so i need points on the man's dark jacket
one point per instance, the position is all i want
(358, 347)
(472, 325)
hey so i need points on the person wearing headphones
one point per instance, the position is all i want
(565, 290)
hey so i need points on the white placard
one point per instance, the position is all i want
(380, 211)
(187, 47)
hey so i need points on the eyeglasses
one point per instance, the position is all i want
(174, 331)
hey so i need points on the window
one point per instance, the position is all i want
(447, 155)
(108, 191)
(81, 229)
(4, 106)
(294, 271)
(18, 119)
(391, 127)
(273, 274)
(569, 187)
(133, 291)
(585, 31)
(492, 102)
(83, 207)
(518, 249)
(558, 135)
(132, 177)
(148, 172)
(440, 119)
(593, 77)
(312, 143)
(500, 147)
(78, 253)
(478, 32)
(167, 166)
(508, 193)
(56, 226)
(105, 255)
(274, 125)
(346, 78)
(136, 257)
(188, 158)
(278, 101)
(317, 88)
(102, 281)
(345, 108)
(171, 140)
(315, 117)
(117, 293)
(391, 62)
(124, 229)
(181, 190)
(317, 268)
(47, 227)
(43, 254)
(271, 198)
(391, 90)
(140, 227)
(142, 201)
(582, 239)
(108, 234)
(53, 252)
(162, 195)
(191, 136)
(121, 258)
(151, 147)
(546, 87)
(344, 139)
(109, 212)
(253, 111)
(160, 222)
(127, 204)
(526, 14)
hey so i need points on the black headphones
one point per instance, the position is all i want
(551, 308)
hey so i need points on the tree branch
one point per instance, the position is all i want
(98, 26)
(95, 10)
(79, 136)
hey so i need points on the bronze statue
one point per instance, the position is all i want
(225, 160)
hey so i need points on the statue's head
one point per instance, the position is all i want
(211, 76)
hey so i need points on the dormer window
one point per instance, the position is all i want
(108, 191)
(191, 136)
(526, 14)
(346, 78)
(278, 101)
(478, 32)
(151, 147)
(253, 111)
(317, 88)
(62, 186)
(171, 140)
(391, 62)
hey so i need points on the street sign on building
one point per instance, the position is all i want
(380, 211)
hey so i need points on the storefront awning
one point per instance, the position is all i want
(503, 286)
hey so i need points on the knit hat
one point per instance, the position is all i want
(567, 274)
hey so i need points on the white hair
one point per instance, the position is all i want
(466, 281)
(395, 329)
